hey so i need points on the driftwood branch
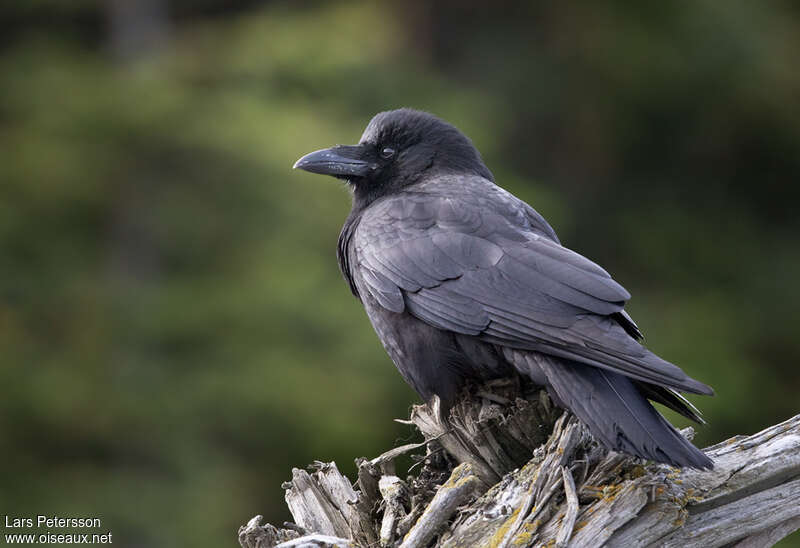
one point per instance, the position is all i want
(508, 469)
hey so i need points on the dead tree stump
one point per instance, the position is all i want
(507, 468)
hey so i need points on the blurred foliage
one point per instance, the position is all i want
(175, 333)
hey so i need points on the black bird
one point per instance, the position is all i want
(463, 282)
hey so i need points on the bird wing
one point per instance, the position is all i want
(473, 263)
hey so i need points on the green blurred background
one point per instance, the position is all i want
(175, 335)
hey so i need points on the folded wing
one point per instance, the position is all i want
(482, 269)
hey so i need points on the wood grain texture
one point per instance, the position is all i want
(508, 469)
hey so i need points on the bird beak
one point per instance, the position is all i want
(342, 161)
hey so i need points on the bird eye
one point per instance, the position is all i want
(387, 152)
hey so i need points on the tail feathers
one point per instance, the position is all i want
(670, 398)
(618, 414)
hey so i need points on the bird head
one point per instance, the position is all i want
(397, 149)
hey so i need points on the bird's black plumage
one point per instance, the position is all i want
(463, 281)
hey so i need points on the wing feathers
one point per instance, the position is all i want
(473, 269)
(387, 293)
(569, 268)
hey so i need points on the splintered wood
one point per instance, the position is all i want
(507, 469)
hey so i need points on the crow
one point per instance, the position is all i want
(464, 282)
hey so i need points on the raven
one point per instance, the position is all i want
(463, 281)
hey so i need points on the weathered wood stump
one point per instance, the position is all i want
(507, 468)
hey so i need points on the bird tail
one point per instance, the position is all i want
(616, 412)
